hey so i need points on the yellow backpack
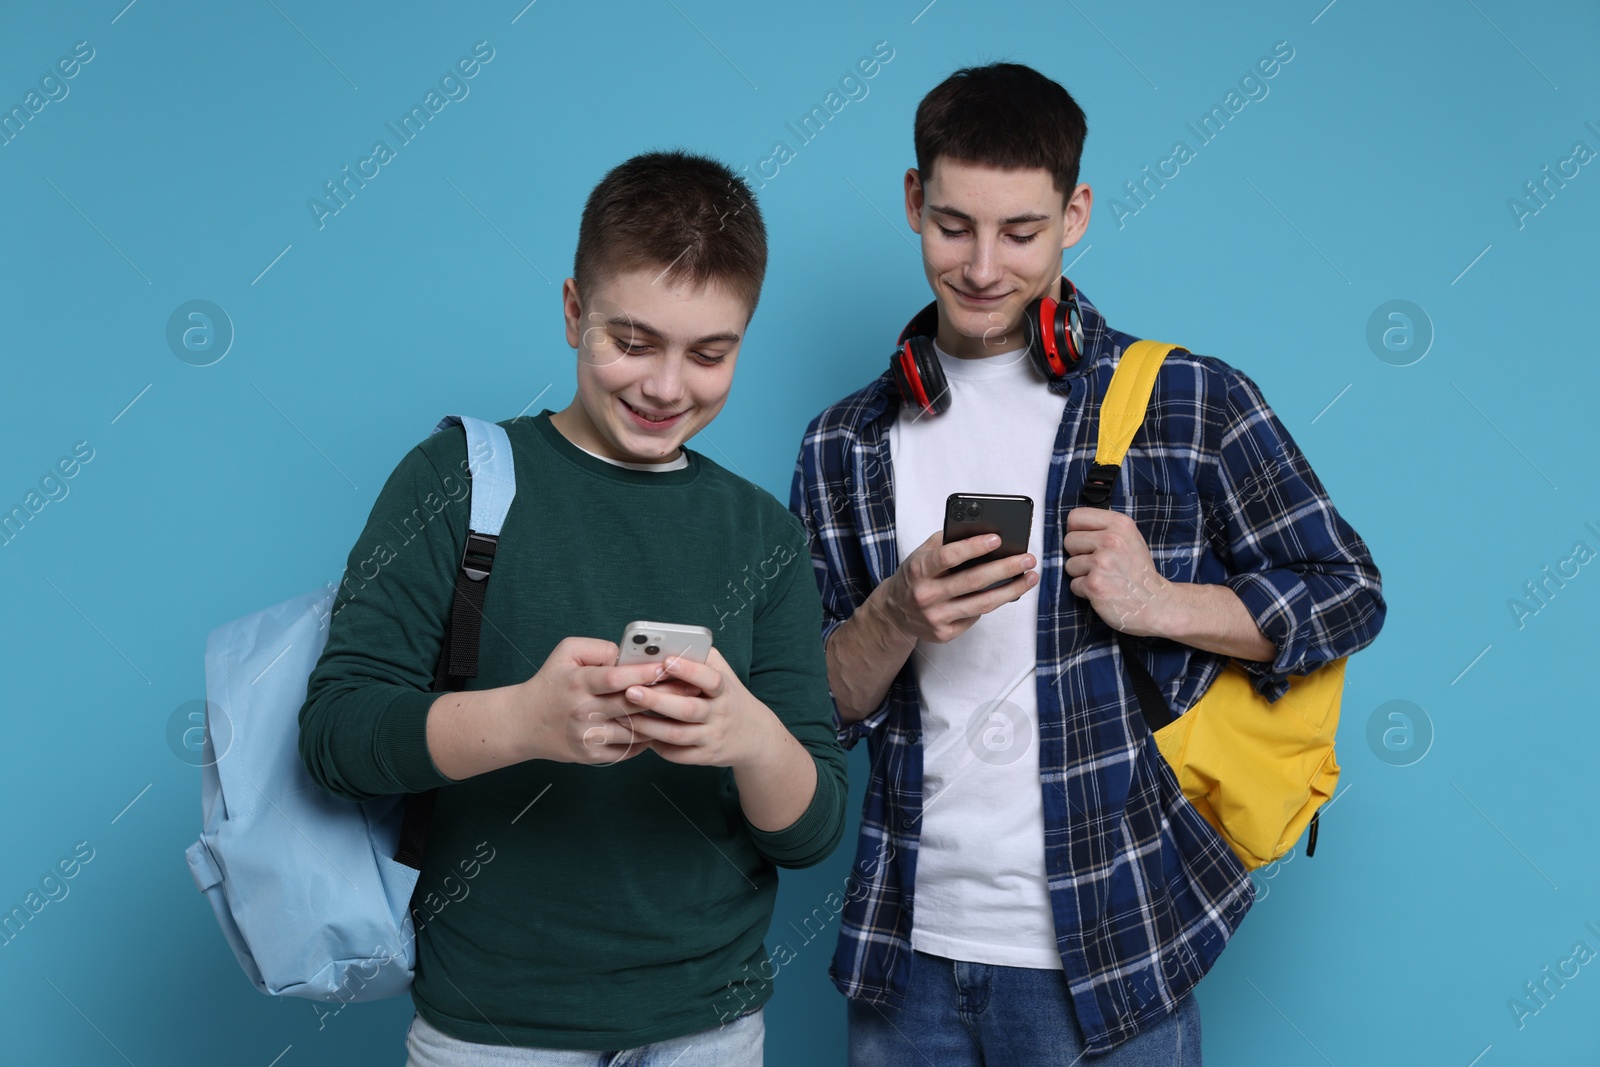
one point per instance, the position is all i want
(1256, 770)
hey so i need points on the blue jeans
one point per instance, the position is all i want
(959, 1014)
(738, 1043)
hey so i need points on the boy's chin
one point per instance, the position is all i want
(639, 447)
(979, 324)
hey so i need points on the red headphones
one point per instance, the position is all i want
(1054, 331)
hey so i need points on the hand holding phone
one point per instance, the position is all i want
(970, 514)
(655, 642)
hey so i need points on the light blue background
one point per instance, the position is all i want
(1378, 168)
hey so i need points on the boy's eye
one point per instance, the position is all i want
(951, 233)
(629, 348)
(1024, 238)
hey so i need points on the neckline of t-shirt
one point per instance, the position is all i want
(658, 468)
(1013, 364)
(592, 464)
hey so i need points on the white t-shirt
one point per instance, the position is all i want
(669, 465)
(981, 893)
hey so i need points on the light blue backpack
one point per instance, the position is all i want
(312, 890)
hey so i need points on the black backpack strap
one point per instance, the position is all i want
(1096, 493)
(414, 826)
(1154, 706)
(458, 661)
(466, 606)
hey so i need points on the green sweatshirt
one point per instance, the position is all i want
(562, 905)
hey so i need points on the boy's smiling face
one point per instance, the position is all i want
(992, 240)
(655, 362)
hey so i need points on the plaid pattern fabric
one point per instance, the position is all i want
(1144, 892)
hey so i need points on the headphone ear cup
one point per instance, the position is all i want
(919, 376)
(902, 383)
(935, 387)
(1070, 325)
(1061, 331)
(1041, 326)
(1070, 328)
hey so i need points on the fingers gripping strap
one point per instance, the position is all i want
(1127, 397)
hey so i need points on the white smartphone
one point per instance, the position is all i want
(653, 642)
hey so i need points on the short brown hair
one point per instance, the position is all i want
(685, 213)
(1004, 115)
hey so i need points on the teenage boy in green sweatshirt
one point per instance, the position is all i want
(599, 879)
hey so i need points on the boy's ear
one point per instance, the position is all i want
(914, 199)
(572, 311)
(1077, 215)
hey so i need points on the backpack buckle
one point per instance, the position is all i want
(1097, 485)
(477, 558)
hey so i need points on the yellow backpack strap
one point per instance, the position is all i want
(1121, 414)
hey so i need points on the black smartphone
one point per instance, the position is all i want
(969, 514)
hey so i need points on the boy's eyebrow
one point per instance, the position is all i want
(634, 324)
(1032, 216)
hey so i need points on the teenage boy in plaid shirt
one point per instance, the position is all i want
(1031, 885)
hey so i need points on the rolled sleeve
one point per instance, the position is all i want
(828, 532)
(1271, 598)
(850, 733)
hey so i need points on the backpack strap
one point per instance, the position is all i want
(493, 486)
(1121, 415)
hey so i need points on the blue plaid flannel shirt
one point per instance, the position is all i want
(1145, 893)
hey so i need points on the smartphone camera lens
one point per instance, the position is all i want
(638, 639)
(651, 650)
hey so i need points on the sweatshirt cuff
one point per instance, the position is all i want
(401, 743)
(812, 836)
